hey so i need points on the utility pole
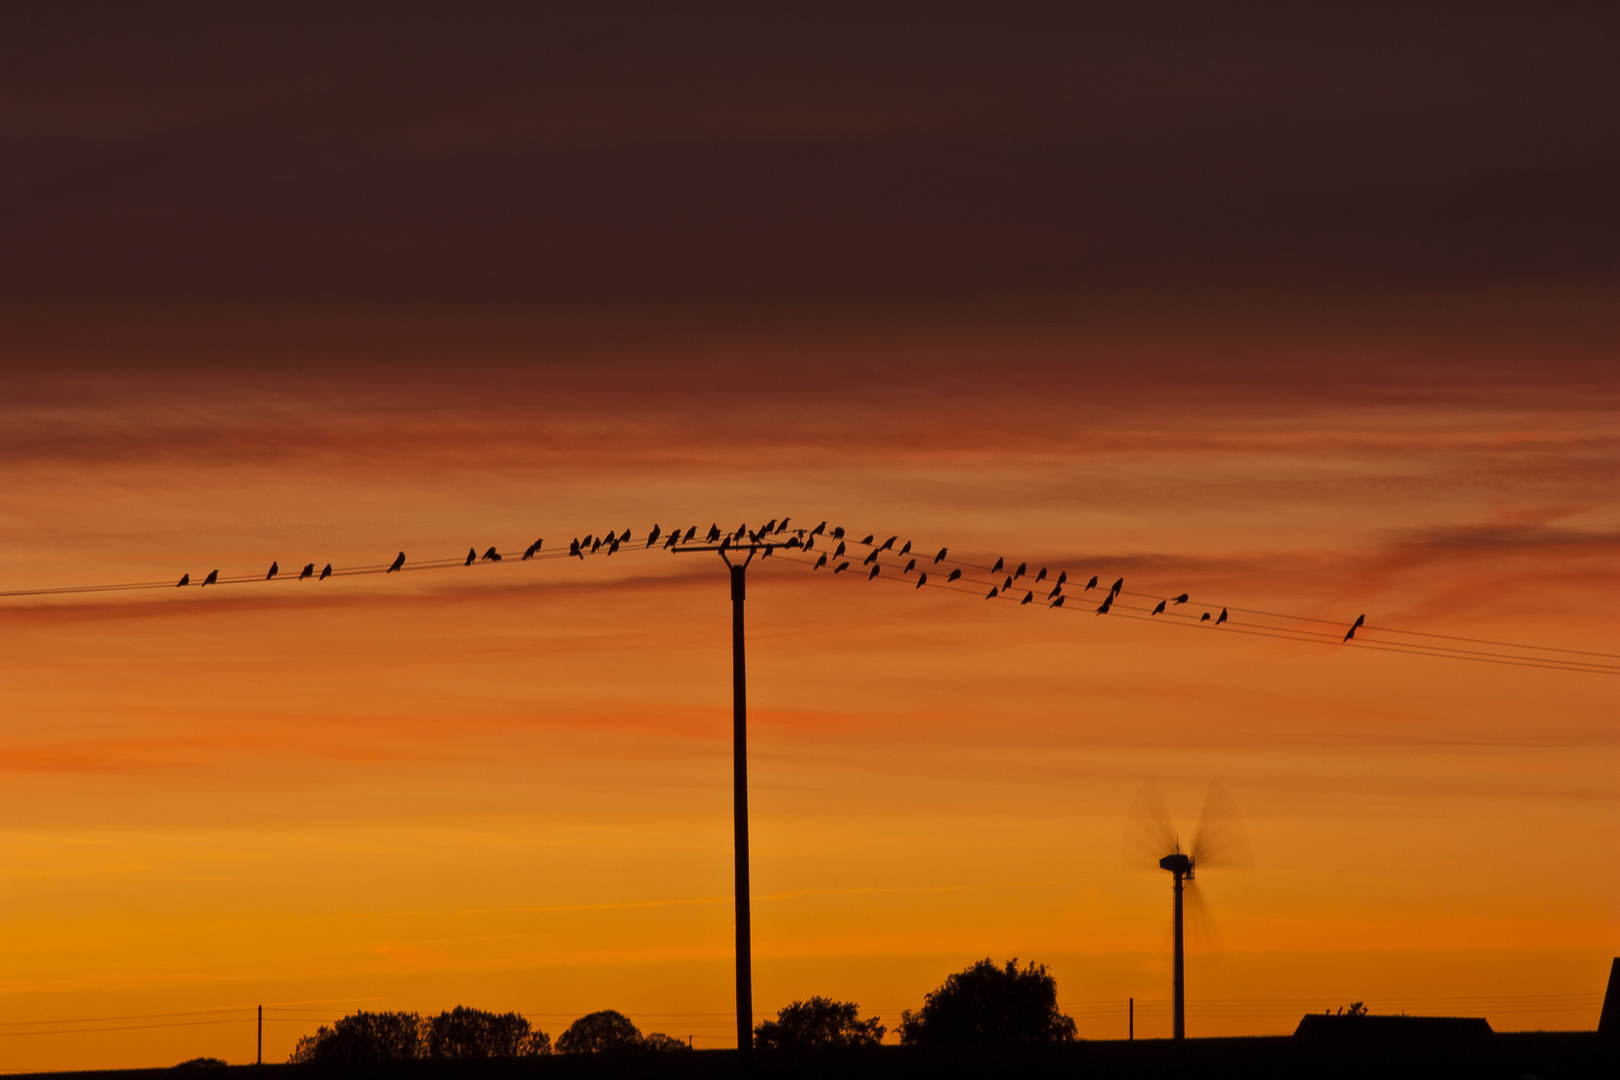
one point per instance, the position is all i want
(259, 1059)
(1130, 1029)
(739, 786)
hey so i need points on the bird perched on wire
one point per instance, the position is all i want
(838, 532)
(652, 537)
(1182, 599)
(953, 575)
(326, 572)
(819, 529)
(1117, 586)
(1354, 627)
(906, 550)
(713, 535)
(1056, 589)
(1108, 602)
(1058, 602)
(399, 561)
(689, 534)
(911, 565)
(1018, 573)
(1222, 618)
(872, 558)
(839, 550)
(793, 542)
(922, 578)
(275, 568)
(868, 539)
(573, 550)
(1159, 608)
(625, 539)
(996, 569)
(820, 562)
(492, 555)
(1040, 577)
(674, 538)
(1027, 598)
(185, 579)
(769, 525)
(889, 543)
(841, 567)
(1064, 576)
(529, 552)
(1006, 584)
(941, 554)
(993, 593)
(213, 576)
(1092, 584)
(782, 527)
(472, 556)
(874, 573)
(308, 571)
(1204, 617)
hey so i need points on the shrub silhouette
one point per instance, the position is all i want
(818, 1022)
(203, 1063)
(659, 1041)
(599, 1032)
(989, 1004)
(363, 1038)
(474, 1033)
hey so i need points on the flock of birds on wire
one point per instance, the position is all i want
(889, 560)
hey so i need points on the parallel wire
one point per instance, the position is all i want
(1119, 609)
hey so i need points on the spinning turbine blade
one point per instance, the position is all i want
(1149, 836)
(1222, 840)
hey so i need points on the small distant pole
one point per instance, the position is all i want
(1132, 1028)
(259, 1058)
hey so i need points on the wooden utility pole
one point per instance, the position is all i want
(259, 1059)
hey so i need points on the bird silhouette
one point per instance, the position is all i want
(1108, 602)
(1018, 573)
(573, 549)
(1118, 585)
(793, 542)
(910, 566)
(1354, 627)
(674, 538)
(941, 554)
(782, 527)
(841, 567)
(1027, 598)
(596, 545)
(1059, 601)
(753, 537)
(1056, 589)
(1040, 577)
(494, 556)
(811, 542)
(1204, 617)
(742, 530)
(907, 549)
(874, 573)
(326, 572)
(625, 539)
(725, 542)
(714, 534)
(952, 576)
(868, 539)
(185, 579)
(399, 561)
(820, 562)
(275, 568)
(530, 551)
(769, 548)
(472, 556)
(1159, 608)
(996, 569)
(922, 578)
(1006, 584)
(839, 550)
(872, 558)
(1092, 584)
(1222, 618)
(588, 540)
(889, 543)
(689, 534)
(652, 537)
(838, 532)
(308, 571)
(1182, 599)
(213, 576)
(993, 593)
(769, 525)
(1063, 577)
(819, 529)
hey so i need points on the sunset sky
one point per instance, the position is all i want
(1293, 312)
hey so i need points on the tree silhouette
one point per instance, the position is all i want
(659, 1041)
(818, 1022)
(989, 1004)
(363, 1038)
(474, 1033)
(599, 1032)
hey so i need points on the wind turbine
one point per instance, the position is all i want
(1221, 840)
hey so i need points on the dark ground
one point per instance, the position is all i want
(1545, 1055)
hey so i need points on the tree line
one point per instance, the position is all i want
(985, 1003)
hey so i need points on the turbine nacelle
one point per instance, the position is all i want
(1178, 864)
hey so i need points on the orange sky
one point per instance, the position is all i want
(299, 309)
